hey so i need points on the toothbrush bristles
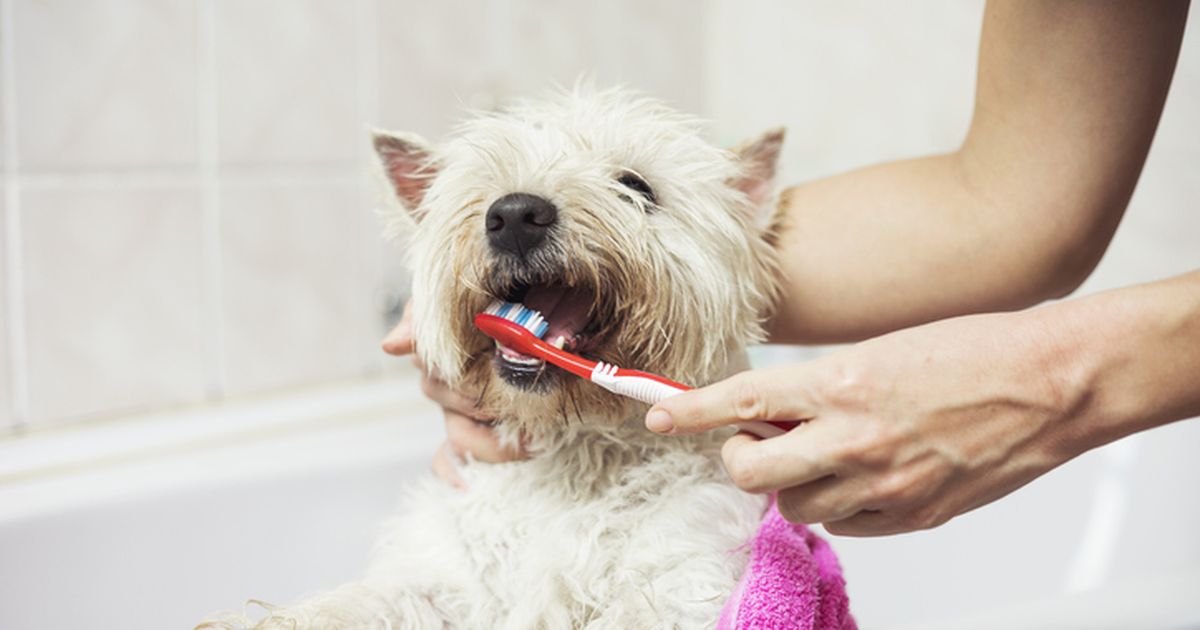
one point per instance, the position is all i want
(520, 314)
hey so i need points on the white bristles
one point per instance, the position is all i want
(520, 314)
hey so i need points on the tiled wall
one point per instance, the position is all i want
(186, 215)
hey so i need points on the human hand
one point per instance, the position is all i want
(468, 429)
(901, 432)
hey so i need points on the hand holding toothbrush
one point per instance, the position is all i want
(911, 429)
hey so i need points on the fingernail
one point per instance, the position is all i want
(659, 421)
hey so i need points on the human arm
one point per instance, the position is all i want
(1067, 101)
(907, 430)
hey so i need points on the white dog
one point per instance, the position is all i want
(644, 246)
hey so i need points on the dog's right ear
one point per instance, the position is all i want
(757, 159)
(409, 165)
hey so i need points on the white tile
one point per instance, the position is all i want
(299, 271)
(113, 300)
(6, 402)
(106, 84)
(439, 58)
(433, 62)
(4, 132)
(287, 89)
(854, 82)
(652, 47)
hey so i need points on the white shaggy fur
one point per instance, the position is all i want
(606, 525)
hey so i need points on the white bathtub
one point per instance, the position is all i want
(154, 522)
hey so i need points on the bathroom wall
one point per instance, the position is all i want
(186, 215)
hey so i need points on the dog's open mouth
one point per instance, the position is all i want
(570, 312)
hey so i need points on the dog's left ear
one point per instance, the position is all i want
(408, 164)
(757, 159)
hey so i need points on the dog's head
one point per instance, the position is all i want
(640, 243)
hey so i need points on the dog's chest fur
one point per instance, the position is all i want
(613, 528)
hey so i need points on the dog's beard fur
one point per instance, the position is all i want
(679, 282)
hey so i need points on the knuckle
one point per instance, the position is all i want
(925, 517)
(900, 488)
(741, 474)
(748, 401)
(871, 445)
(787, 509)
(797, 510)
(909, 521)
(838, 528)
(850, 386)
(744, 471)
(892, 488)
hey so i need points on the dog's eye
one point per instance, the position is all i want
(638, 185)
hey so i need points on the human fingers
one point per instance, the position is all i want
(830, 498)
(764, 394)
(445, 468)
(867, 523)
(449, 398)
(797, 457)
(399, 341)
(477, 440)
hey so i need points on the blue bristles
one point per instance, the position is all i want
(520, 314)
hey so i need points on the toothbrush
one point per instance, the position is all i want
(520, 328)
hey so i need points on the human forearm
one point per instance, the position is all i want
(899, 244)
(1069, 94)
(1130, 356)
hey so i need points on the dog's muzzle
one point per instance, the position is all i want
(517, 223)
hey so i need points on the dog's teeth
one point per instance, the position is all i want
(558, 343)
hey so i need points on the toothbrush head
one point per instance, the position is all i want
(521, 315)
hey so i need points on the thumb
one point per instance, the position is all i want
(399, 341)
(773, 394)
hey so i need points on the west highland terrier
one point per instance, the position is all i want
(644, 246)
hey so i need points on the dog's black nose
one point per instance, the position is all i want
(517, 223)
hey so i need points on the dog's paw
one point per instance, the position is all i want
(275, 619)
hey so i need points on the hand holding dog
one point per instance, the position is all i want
(467, 428)
(901, 432)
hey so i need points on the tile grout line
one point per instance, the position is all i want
(212, 292)
(367, 79)
(501, 46)
(368, 61)
(146, 179)
(15, 280)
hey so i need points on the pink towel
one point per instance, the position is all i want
(793, 581)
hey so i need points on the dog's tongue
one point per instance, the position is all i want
(565, 310)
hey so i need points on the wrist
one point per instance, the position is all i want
(1123, 361)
